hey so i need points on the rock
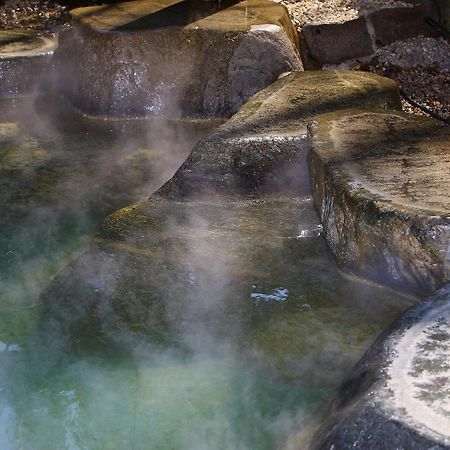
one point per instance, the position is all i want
(151, 57)
(333, 43)
(395, 24)
(263, 147)
(25, 57)
(398, 394)
(381, 186)
(163, 271)
(336, 42)
(252, 274)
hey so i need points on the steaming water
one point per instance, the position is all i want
(246, 378)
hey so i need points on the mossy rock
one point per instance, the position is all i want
(263, 148)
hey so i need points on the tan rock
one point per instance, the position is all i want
(263, 147)
(381, 184)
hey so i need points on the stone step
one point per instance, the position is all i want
(381, 182)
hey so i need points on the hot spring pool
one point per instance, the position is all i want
(295, 326)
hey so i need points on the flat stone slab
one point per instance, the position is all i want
(381, 182)
(263, 147)
(25, 58)
(398, 395)
(175, 59)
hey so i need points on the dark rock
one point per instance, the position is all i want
(395, 24)
(25, 59)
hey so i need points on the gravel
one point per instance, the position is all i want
(418, 51)
(423, 77)
(420, 65)
(334, 11)
(45, 16)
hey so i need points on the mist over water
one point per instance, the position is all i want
(221, 325)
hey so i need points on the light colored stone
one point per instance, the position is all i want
(335, 42)
(398, 396)
(381, 185)
(155, 58)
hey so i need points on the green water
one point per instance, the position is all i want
(220, 326)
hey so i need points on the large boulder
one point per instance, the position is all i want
(263, 147)
(174, 59)
(398, 394)
(381, 186)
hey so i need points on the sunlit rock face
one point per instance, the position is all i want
(24, 58)
(174, 59)
(381, 185)
(398, 394)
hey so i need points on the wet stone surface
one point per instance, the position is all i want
(263, 147)
(25, 59)
(60, 174)
(242, 273)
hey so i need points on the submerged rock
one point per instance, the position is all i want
(151, 57)
(381, 185)
(263, 147)
(198, 275)
(25, 58)
(398, 394)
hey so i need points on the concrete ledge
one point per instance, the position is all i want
(381, 186)
(398, 394)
